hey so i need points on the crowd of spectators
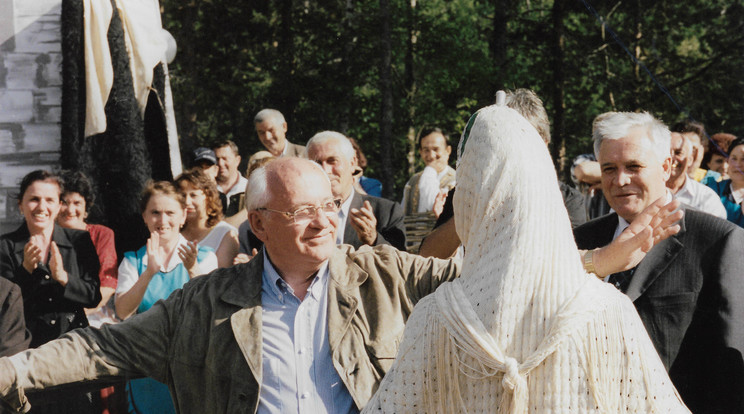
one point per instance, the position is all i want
(645, 196)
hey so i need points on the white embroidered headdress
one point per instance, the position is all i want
(524, 329)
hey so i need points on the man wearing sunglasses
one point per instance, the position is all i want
(304, 327)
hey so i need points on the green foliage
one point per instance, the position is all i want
(318, 62)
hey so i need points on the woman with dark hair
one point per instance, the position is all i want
(716, 154)
(56, 269)
(731, 190)
(77, 199)
(204, 223)
(153, 272)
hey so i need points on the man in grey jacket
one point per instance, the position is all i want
(303, 327)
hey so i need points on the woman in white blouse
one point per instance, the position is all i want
(204, 223)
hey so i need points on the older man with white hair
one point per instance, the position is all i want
(688, 289)
(305, 327)
(690, 192)
(363, 219)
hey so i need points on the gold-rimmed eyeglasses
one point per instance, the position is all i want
(307, 213)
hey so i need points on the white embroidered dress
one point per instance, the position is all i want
(524, 329)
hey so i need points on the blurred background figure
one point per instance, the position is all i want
(694, 132)
(57, 271)
(367, 185)
(153, 272)
(77, 199)
(204, 224)
(271, 128)
(256, 160)
(716, 153)
(421, 190)
(688, 191)
(731, 190)
(206, 160)
(230, 183)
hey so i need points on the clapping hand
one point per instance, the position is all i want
(364, 222)
(56, 267)
(32, 252)
(187, 252)
(154, 254)
(245, 258)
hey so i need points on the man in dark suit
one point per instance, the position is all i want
(364, 219)
(688, 289)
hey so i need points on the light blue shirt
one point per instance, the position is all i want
(298, 371)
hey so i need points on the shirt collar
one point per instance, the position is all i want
(278, 287)
(623, 224)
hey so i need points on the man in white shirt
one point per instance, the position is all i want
(230, 182)
(437, 177)
(690, 192)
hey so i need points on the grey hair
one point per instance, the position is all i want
(256, 191)
(268, 113)
(321, 137)
(530, 106)
(256, 194)
(616, 125)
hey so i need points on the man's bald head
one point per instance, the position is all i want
(280, 176)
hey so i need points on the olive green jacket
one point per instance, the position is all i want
(204, 341)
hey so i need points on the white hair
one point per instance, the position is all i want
(256, 195)
(617, 125)
(322, 137)
(268, 113)
(256, 191)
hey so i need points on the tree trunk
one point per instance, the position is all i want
(410, 76)
(386, 109)
(348, 35)
(558, 148)
(287, 92)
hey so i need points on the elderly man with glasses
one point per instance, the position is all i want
(304, 327)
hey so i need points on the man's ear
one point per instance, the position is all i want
(449, 149)
(666, 167)
(284, 127)
(258, 224)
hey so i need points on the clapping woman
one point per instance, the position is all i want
(153, 272)
(204, 223)
(56, 269)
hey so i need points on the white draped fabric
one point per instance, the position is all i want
(524, 329)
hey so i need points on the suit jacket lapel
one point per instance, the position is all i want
(655, 263)
(246, 323)
(350, 235)
(343, 295)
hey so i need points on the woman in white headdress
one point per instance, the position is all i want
(525, 328)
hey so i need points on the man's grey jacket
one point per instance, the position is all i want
(204, 341)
